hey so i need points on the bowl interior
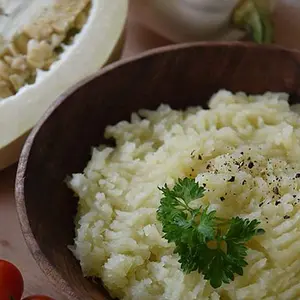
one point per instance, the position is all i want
(61, 144)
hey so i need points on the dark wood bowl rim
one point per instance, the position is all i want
(32, 244)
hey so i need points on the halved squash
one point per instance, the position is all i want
(45, 48)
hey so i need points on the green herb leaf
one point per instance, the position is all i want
(207, 224)
(242, 230)
(205, 243)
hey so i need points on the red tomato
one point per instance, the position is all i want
(38, 297)
(11, 281)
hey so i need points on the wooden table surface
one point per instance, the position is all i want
(12, 245)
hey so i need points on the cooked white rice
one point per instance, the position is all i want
(118, 237)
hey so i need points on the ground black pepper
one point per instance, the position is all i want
(276, 190)
(232, 179)
(250, 165)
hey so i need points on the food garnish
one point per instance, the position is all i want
(213, 246)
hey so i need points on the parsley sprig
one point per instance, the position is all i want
(213, 246)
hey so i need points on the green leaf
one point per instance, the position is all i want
(186, 189)
(242, 230)
(205, 243)
(206, 226)
(217, 271)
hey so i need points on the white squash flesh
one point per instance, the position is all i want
(29, 46)
(90, 49)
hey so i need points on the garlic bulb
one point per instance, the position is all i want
(191, 20)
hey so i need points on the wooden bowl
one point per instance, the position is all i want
(180, 75)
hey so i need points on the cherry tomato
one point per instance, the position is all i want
(11, 281)
(38, 297)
